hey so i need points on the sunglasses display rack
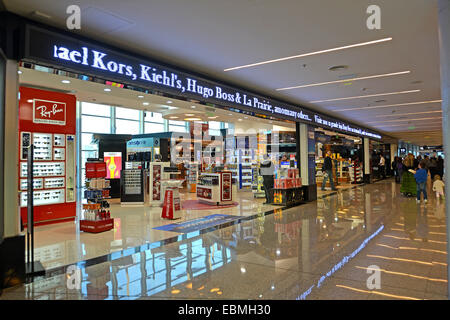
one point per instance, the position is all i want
(53, 136)
(96, 214)
(49, 168)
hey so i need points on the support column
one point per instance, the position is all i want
(366, 163)
(12, 249)
(2, 139)
(444, 43)
(305, 147)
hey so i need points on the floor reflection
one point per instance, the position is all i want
(321, 250)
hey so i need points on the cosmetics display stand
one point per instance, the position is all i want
(96, 211)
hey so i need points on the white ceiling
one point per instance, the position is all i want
(210, 36)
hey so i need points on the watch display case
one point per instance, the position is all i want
(132, 186)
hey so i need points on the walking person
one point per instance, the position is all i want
(432, 167)
(327, 169)
(409, 186)
(440, 166)
(382, 165)
(421, 176)
(438, 187)
(400, 168)
(267, 171)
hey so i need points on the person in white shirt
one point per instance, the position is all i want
(438, 187)
(382, 166)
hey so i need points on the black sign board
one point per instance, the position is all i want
(57, 49)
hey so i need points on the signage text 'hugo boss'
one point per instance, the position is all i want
(152, 73)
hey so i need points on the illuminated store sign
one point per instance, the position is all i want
(56, 49)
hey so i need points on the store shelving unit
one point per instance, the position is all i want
(132, 185)
(96, 215)
(215, 188)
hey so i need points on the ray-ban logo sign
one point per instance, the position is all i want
(49, 112)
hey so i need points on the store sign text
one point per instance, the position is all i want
(49, 112)
(146, 73)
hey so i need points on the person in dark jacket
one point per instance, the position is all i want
(421, 177)
(440, 166)
(327, 169)
(267, 171)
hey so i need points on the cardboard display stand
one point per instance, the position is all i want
(172, 204)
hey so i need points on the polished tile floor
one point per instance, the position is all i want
(320, 250)
(62, 244)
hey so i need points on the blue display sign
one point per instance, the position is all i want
(85, 57)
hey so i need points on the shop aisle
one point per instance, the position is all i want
(320, 250)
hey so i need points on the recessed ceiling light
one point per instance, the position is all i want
(140, 97)
(366, 96)
(169, 101)
(239, 119)
(189, 114)
(19, 72)
(309, 54)
(65, 81)
(145, 103)
(107, 89)
(390, 105)
(212, 117)
(192, 119)
(30, 100)
(193, 107)
(173, 117)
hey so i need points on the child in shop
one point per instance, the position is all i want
(421, 176)
(438, 187)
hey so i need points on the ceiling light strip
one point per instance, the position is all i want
(389, 105)
(345, 80)
(403, 120)
(309, 54)
(367, 96)
(406, 114)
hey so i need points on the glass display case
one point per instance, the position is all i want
(132, 186)
(215, 188)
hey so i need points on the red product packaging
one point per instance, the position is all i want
(293, 173)
(90, 170)
(282, 184)
(289, 183)
(100, 169)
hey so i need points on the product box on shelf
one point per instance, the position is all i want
(289, 183)
(100, 169)
(293, 173)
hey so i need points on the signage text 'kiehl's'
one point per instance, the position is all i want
(185, 84)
